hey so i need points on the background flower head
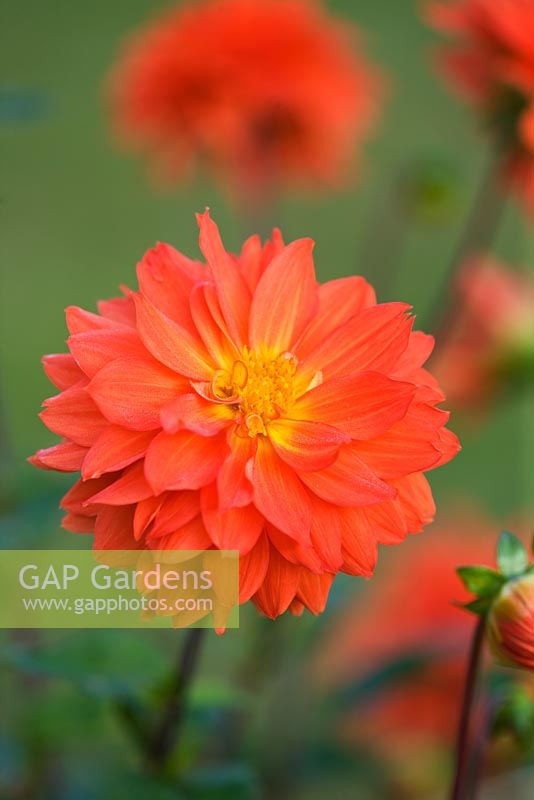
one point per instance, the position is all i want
(492, 64)
(240, 405)
(265, 92)
(511, 623)
(491, 345)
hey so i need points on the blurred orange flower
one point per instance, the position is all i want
(408, 616)
(492, 64)
(511, 623)
(240, 405)
(266, 92)
(492, 341)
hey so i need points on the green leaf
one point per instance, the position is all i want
(480, 606)
(482, 581)
(512, 557)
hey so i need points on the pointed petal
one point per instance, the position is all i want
(279, 586)
(362, 405)
(176, 510)
(326, 534)
(233, 486)
(79, 321)
(115, 449)
(359, 543)
(183, 460)
(304, 445)
(145, 513)
(62, 370)
(339, 300)
(210, 325)
(253, 568)
(75, 523)
(279, 494)
(411, 445)
(171, 344)
(94, 349)
(74, 415)
(313, 590)
(131, 487)
(118, 309)
(285, 299)
(132, 391)
(166, 278)
(65, 457)
(232, 290)
(236, 529)
(372, 340)
(348, 482)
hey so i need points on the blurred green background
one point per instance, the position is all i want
(75, 216)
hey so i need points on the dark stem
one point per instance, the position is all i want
(169, 727)
(479, 232)
(464, 725)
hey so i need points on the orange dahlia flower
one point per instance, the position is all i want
(240, 405)
(492, 64)
(511, 623)
(264, 91)
(492, 343)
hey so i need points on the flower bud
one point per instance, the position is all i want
(511, 623)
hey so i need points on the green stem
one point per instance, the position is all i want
(169, 727)
(464, 726)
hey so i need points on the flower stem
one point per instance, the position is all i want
(169, 727)
(479, 231)
(464, 726)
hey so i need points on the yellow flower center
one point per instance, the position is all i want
(260, 385)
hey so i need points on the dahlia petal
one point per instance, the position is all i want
(175, 511)
(94, 349)
(326, 534)
(79, 321)
(449, 445)
(74, 415)
(362, 405)
(253, 568)
(118, 309)
(75, 500)
(76, 523)
(191, 536)
(279, 494)
(65, 457)
(419, 350)
(132, 391)
(339, 300)
(62, 370)
(232, 290)
(304, 445)
(233, 486)
(131, 487)
(235, 529)
(415, 499)
(195, 414)
(348, 482)
(285, 298)
(294, 552)
(313, 590)
(279, 586)
(183, 460)
(387, 521)
(250, 261)
(411, 445)
(115, 448)
(359, 545)
(145, 514)
(170, 343)
(210, 325)
(114, 529)
(166, 278)
(372, 340)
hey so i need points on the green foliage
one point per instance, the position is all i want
(482, 581)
